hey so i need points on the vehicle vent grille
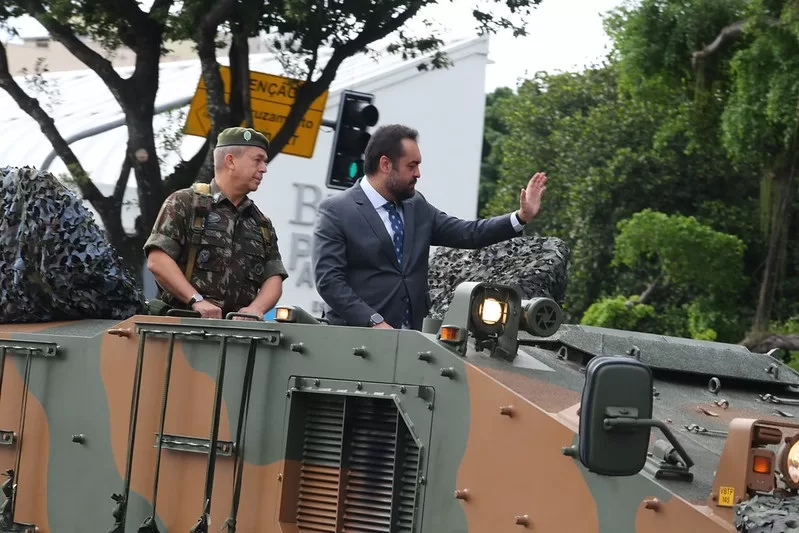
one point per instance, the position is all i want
(370, 476)
(317, 501)
(359, 467)
(408, 483)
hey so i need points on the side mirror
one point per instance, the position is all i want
(616, 417)
(616, 388)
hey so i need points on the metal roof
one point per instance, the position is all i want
(699, 357)
(81, 100)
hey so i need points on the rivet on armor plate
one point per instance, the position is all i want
(652, 504)
(448, 372)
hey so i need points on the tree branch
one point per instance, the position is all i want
(186, 172)
(144, 28)
(34, 110)
(205, 37)
(122, 182)
(308, 92)
(649, 290)
(161, 7)
(218, 110)
(240, 105)
(130, 11)
(64, 34)
(727, 33)
(762, 343)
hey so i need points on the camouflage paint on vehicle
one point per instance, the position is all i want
(348, 429)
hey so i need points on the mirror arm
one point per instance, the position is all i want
(646, 422)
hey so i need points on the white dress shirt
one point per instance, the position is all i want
(378, 202)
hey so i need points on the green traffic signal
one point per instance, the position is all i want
(356, 114)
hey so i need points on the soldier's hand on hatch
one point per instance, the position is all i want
(207, 309)
(250, 310)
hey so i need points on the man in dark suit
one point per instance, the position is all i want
(371, 243)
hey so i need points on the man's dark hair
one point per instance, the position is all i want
(386, 141)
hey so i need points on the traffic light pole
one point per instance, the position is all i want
(356, 113)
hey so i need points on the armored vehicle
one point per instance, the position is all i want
(497, 418)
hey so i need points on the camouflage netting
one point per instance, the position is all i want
(55, 263)
(768, 514)
(538, 265)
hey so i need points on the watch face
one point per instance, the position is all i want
(376, 319)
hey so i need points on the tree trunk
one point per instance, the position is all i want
(240, 106)
(781, 199)
(763, 342)
(141, 153)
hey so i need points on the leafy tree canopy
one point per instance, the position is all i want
(312, 40)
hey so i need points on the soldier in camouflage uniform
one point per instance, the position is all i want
(235, 265)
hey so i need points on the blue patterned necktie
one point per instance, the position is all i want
(399, 234)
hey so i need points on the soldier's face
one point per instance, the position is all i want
(401, 181)
(249, 168)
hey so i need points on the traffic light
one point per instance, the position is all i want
(355, 115)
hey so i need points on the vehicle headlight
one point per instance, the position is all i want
(789, 461)
(492, 311)
(490, 306)
(792, 463)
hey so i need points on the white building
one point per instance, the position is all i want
(446, 106)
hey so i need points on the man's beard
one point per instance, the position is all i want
(399, 190)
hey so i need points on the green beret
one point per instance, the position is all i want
(242, 137)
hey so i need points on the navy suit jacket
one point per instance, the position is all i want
(355, 267)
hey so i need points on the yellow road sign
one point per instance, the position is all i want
(271, 99)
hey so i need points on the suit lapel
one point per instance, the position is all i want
(375, 222)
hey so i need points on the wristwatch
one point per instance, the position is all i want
(195, 298)
(522, 222)
(375, 319)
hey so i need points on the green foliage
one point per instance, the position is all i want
(656, 39)
(738, 62)
(495, 131)
(610, 154)
(685, 120)
(300, 27)
(536, 118)
(681, 251)
(695, 271)
(761, 116)
(619, 313)
(787, 327)
(301, 30)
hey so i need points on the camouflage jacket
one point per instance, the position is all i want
(232, 259)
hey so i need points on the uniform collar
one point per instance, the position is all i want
(218, 196)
